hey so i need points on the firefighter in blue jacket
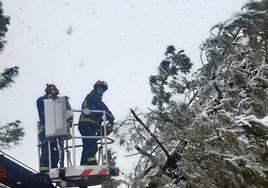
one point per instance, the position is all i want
(90, 123)
(51, 92)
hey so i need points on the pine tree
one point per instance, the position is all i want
(215, 125)
(7, 76)
(11, 133)
(169, 77)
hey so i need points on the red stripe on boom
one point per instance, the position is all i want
(3, 172)
(103, 171)
(86, 172)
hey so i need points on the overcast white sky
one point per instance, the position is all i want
(73, 43)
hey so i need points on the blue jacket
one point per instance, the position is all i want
(94, 102)
(41, 109)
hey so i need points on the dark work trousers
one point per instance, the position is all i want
(90, 147)
(44, 162)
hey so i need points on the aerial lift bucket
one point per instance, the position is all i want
(71, 175)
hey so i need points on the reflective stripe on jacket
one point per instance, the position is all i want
(85, 119)
(94, 102)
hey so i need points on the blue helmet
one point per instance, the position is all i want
(101, 84)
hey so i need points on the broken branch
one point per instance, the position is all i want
(149, 131)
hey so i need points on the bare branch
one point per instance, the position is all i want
(192, 99)
(151, 157)
(146, 171)
(130, 155)
(152, 135)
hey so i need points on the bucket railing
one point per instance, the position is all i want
(70, 142)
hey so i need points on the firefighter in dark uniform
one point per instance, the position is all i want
(51, 92)
(90, 123)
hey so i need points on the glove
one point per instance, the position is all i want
(109, 129)
(69, 117)
(111, 123)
